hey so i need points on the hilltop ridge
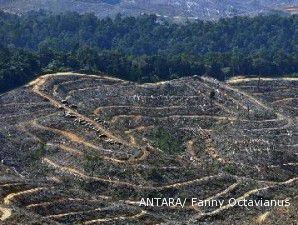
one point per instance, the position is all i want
(177, 9)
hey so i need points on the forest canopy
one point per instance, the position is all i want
(144, 48)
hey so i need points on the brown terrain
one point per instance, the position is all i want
(82, 149)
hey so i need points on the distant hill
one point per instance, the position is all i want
(203, 9)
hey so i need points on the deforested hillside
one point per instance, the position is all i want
(84, 149)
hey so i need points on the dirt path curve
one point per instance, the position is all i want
(61, 215)
(9, 198)
(280, 116)
(115, 118)
(244, 196)
(77, 173)
(236, 80)
(138, 215)
(69, 135)
(283, 100)
(6, 213)
(227, 190)
(47, 203)
(78, 139)
(98, 110)
(37, 86)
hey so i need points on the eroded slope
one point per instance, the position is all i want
(85, 149)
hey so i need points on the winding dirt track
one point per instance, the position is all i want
(78, 139)
(245, 196)
(38, 84)
(80, 174)
(262, 218)
(73, 213)
(227, 190)
(236, 80)
(258, 102)
(6, 213)
(42, 204)
(138, 215)
(9, 198)
(37, 87)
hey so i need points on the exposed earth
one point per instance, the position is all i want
(83, 149)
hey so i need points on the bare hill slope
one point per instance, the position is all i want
(203, 9)
(82, 149)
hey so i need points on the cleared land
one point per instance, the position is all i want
(81, 149)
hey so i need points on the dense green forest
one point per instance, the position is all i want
(145, 48)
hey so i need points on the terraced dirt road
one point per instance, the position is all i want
(84, 149)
